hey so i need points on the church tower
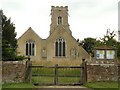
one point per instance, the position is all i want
(59, 19)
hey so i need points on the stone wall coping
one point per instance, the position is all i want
(16, 62)
(102, 64)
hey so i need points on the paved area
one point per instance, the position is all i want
(61, 88)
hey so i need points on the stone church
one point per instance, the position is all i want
(59, 45)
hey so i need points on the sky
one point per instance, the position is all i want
(87, 18)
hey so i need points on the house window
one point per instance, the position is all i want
(60, 48)
(59, 20)
(30, 48)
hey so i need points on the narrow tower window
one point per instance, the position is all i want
(59, 20)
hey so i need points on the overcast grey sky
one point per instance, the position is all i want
(87, 18)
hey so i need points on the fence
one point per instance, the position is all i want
(58, 75)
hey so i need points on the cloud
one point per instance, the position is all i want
(13, 5)
(86, 16)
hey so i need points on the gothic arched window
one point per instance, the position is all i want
(59, 20)
(60, 47)
(30, 48)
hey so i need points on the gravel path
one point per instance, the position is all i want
(61, 88)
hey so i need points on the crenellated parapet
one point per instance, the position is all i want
(59, 19)
(59, 7)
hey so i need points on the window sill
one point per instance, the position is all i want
(60, 57)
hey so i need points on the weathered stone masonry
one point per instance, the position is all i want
(17, 71)
(14, 71)
(102, 71)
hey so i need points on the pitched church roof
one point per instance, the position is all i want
(30, 30)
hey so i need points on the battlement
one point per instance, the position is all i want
(59, 8)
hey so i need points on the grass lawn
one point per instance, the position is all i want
(47, 79)
(103, 85)
(50, 80)
(17, 85)
(51, 71)
(92, 85)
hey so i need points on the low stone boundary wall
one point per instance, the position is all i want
(14, 71)
(19, 71)
(102, 71)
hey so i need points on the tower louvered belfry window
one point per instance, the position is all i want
(60, 47)
(59, 20)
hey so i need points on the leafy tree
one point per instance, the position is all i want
(108, 39)
(9, 42)
(88, 44)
